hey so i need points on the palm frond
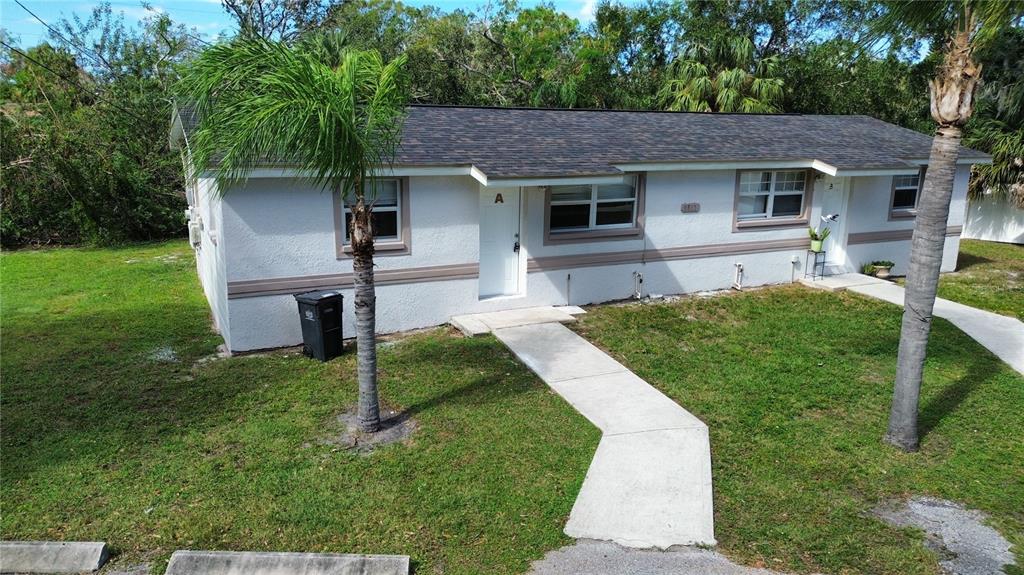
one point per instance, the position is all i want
(261, 101)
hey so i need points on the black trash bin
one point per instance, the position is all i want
(320, 315)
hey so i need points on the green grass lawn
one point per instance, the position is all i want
(103, 438)
(988, 275)
(795, 385)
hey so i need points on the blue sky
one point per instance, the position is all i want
(206, 17)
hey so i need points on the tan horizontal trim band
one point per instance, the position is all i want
(294, 285)
(667, 254)
(893, 235)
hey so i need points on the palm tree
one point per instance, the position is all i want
(967, 25)
(722, 77)
(334, 114)
(998, 123)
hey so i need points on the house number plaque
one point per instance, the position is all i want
(690, 208)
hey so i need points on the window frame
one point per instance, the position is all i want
(904, 213)
(747, 223)
(593, 231)
(402, 245)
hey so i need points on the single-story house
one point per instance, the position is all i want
(488, 209)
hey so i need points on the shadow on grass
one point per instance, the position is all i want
(448, 357)
(954, 394)
(966, 260)
(87, 384)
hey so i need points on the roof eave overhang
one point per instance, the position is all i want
(818, 165)
(538, 181)
(457, 170)
(177, 133)
(960, 161)
(393, 171)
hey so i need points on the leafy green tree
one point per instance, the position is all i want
(968, 25)
(537, 57)
(335, 115)
(997, 126)
(280, 19)
(723, 77)
(839, 77)
(640, 41)
(85, 155)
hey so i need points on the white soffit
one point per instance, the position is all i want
(818, 165)
(959, 161)
(396, 171)
(554, 181)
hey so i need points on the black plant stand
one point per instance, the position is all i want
(816, 261)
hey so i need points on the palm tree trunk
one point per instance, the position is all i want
(366, 314)
(922, 282)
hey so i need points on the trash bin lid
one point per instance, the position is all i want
(317, 296)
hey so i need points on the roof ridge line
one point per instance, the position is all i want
(538, 108)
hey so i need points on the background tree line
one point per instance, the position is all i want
(85, 115)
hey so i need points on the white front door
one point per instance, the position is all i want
(499, 242)
(835, 193)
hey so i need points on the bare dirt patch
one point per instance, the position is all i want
(965, 545)
(395, 427)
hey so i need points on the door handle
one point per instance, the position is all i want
(515, 247)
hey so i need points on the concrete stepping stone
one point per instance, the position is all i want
(52, 556)
(271, 563)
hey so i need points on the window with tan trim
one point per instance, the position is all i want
(594, 211)
(386, 215)
(906, 190)
(772, 197)
(390, 216)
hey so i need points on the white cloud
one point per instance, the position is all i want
(588, 10)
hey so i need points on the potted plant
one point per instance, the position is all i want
(881, 268)
(817, 237)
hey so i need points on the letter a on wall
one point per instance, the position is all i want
(498, 199)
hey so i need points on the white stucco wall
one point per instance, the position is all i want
(994, 219)
(279, 228)
(285, 228)
(869, 212)
(210, 254)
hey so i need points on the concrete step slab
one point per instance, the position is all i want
(638, 406)
(268, 563)
(555, 353)
(648, 489)
(469, 325)
(841, 282)
(477, 322)
(52, 556)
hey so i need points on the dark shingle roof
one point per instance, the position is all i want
(529, 142)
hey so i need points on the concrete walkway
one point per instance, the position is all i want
(1002, 335)
(604, 558)
(649, 484)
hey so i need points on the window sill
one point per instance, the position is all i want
(557, 238)
(896, 215)
(753, 225)
(383, 249)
